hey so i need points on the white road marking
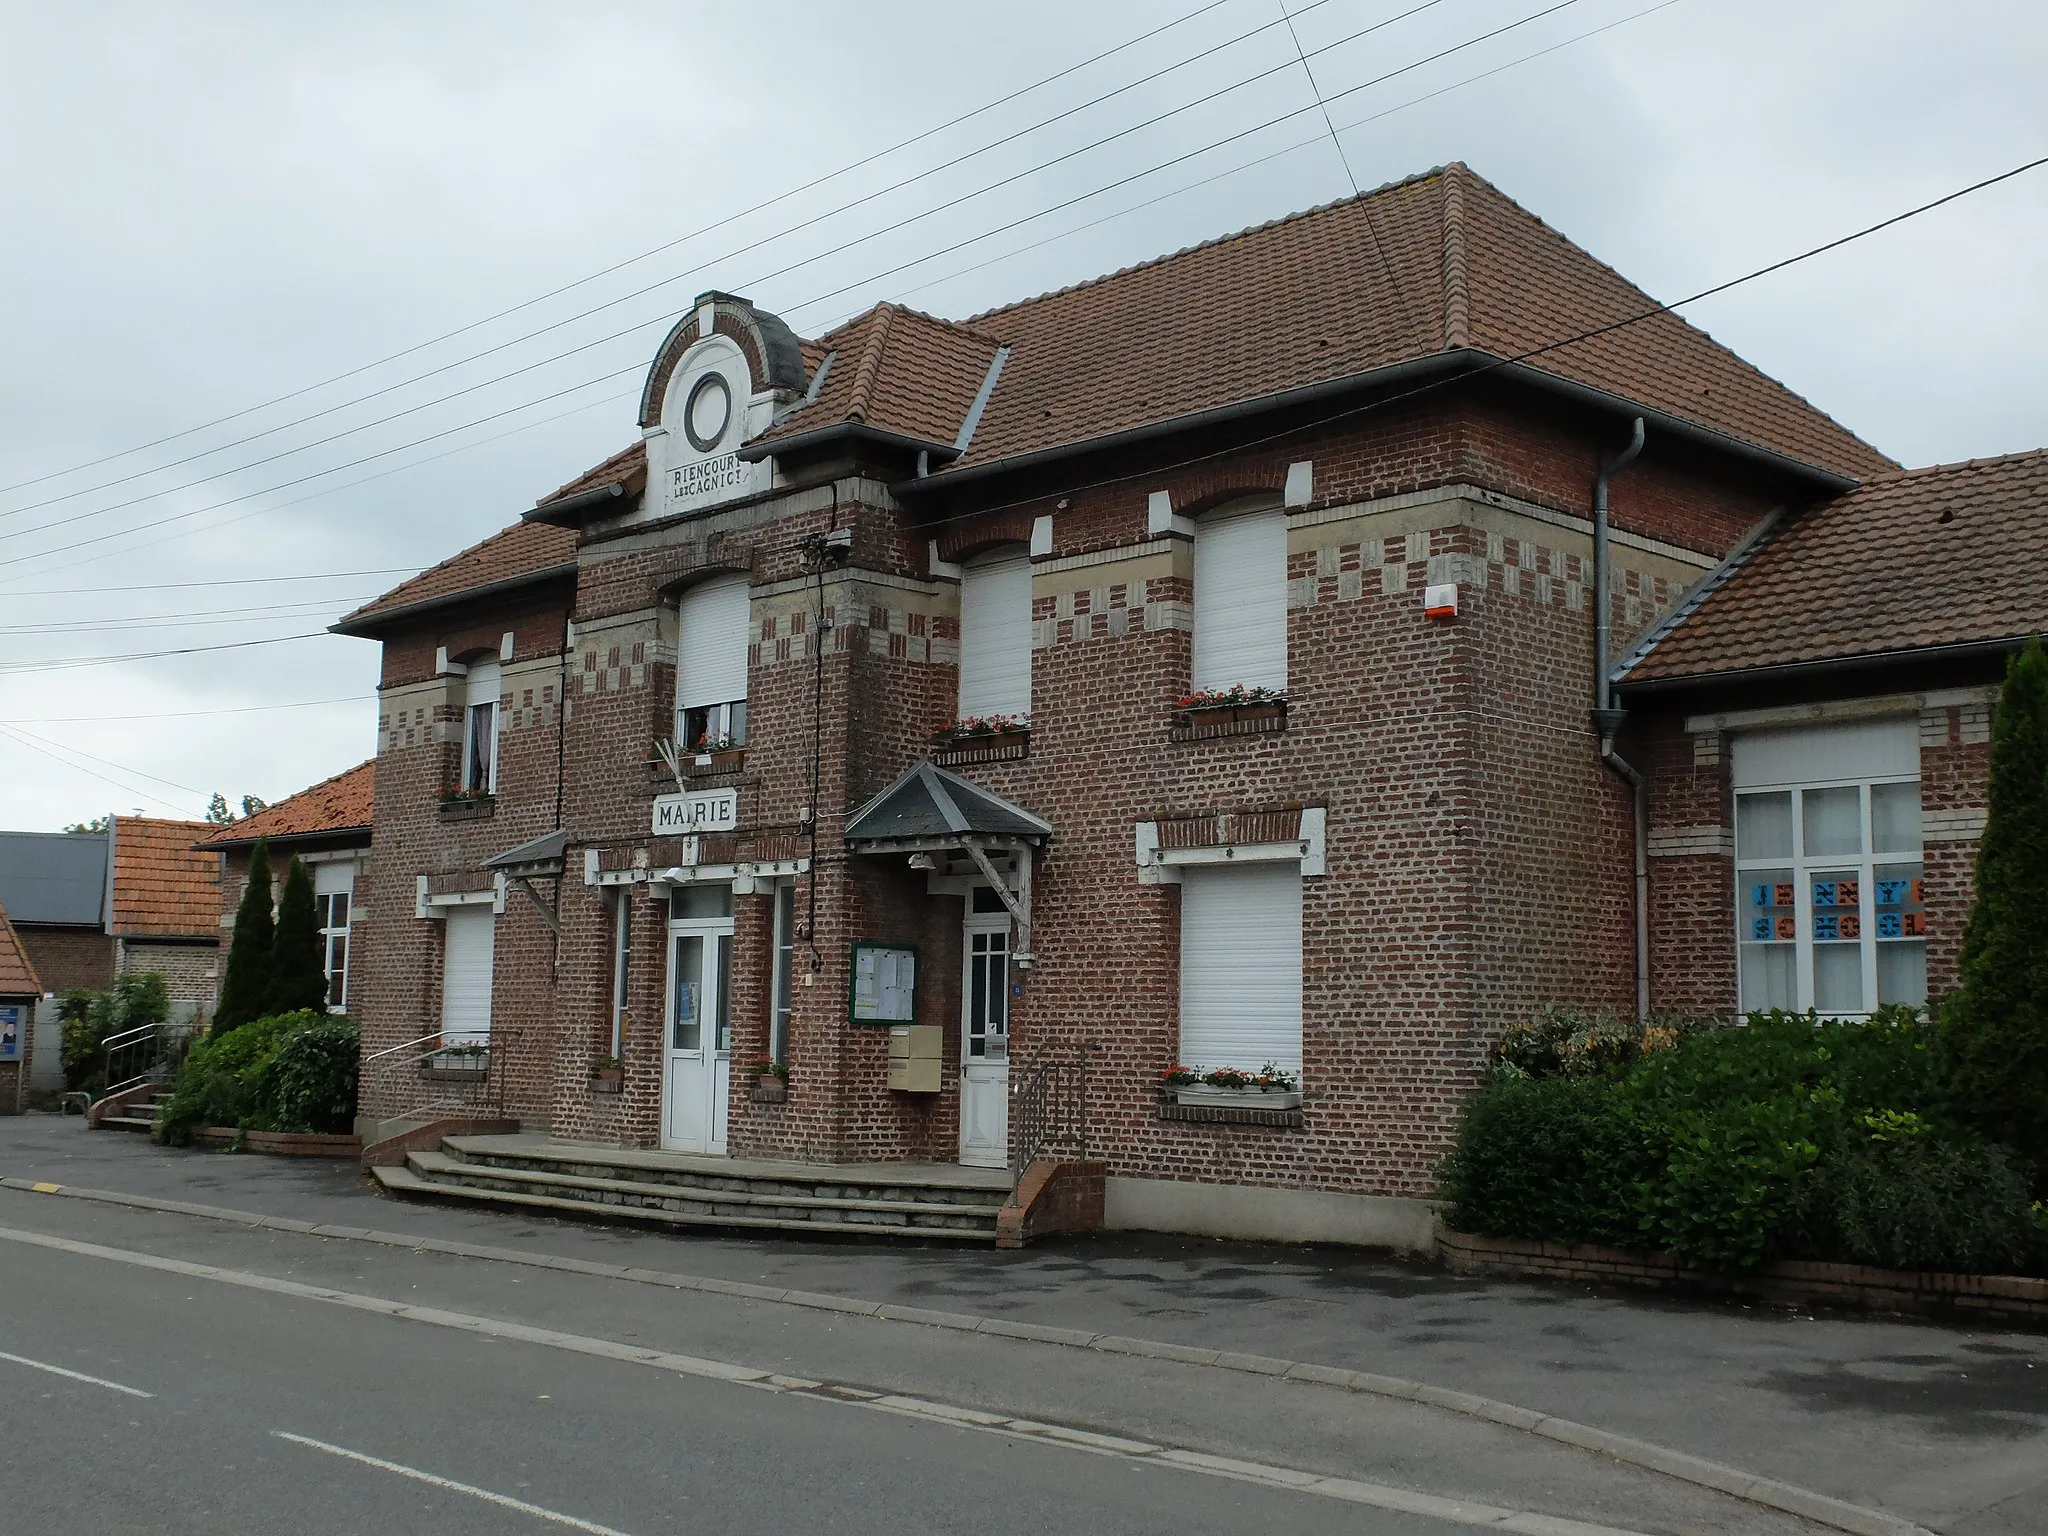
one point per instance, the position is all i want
(1378, 1495)
(58, 1370)
(503, 1500)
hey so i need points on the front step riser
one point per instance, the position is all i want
(712, 1185)
(907, 1220)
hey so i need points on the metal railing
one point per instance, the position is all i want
(148, 1053)
(397, 1075)
(1049, 1109)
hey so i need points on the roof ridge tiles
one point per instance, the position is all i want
(1219, 240)
(1457, 315)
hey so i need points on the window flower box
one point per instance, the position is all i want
(468, 805)
(1229, 1088)
(703, 765)
(607, 1075)
(771, 1082)
(983, 739)
(464, 1063)
(1237, 711)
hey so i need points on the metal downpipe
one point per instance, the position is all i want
(1607, 719)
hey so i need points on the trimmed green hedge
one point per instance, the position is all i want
(285, 1072)
(1785, 1138)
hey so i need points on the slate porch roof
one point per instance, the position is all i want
(928, 802)
(338, 805)
(1954, 555)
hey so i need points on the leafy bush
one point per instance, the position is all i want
(229, 1079)
(311, 1083)
(89, 1018)
(1790, 1137)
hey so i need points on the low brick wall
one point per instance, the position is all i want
(1052, 1197)
(279, 1143)
(1791, 1283)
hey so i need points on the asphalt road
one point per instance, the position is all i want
(270, 1411)
(1947, 1426)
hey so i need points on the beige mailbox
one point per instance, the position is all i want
(914, 1057)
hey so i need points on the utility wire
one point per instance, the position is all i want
(68, 663)
(126, 789)
(1523, 21)
(239, 581)
(678, 277)
(185, 714)
(780, 197)
(105, 761)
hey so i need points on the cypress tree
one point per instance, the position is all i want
(1995, 1030)
(245, 980)
(298, 979)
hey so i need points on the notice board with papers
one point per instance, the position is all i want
(884, 983)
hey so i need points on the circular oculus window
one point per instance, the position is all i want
(707, 412)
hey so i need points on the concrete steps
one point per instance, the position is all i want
(678, 1190)
(139, 1115)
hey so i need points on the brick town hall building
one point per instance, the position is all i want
(1337, 462)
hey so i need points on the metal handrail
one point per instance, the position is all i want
(162, 1036)
(1049, 1109)
(486, 1092)
(406, 1046)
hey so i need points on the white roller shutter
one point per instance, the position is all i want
(1241, 601)
(711, 662)
(1240, 966)
(1822, 754)
(995, 636)
(466, 974)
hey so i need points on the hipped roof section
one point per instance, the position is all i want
(1439, 266)
(338, 805)
(1952, 555)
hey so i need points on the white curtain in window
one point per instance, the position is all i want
(1240, 966)
(995, 635)
(711, 660)
(1241, 600)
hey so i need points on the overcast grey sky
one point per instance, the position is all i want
(209, 206)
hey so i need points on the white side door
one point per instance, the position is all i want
(698, 1037)
(470, 949)
(985, 1035)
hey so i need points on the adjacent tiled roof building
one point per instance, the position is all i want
(164, 887)
(338, 805)
(17, 972)
(1936, 559)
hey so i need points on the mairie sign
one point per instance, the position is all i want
(701, 810)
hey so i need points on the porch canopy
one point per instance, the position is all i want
(936, 817)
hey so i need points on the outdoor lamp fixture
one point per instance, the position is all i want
(923, 861)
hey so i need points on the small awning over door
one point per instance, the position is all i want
(929, 807)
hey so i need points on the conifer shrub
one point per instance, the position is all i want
(298, 973)
(245, 983)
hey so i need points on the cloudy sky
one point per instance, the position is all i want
(286, 302)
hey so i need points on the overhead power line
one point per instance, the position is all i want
(619, 266)
(188, 714)
(127, 789)
(667, 317)
(69, 663)
(232, 581)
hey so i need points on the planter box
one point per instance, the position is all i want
(469, 1067)
(1229, 720)
(280, 1143)
(1211, 1097)
(608, 1084)
(770, 1090)
(477, 808)
(996, 747)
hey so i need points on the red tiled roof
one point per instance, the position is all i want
(524, 549)
(17, 972)
(1438, 263)
(163, 886)
(340, 804)
(627, 467)
(899, 370)
(1949, 555)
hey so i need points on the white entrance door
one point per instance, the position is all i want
(466, 965)
(698, 1042)
(985, 1034)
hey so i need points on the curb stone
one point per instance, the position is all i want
(1820, 1508)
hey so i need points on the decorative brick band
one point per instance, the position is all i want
(2013, 1298)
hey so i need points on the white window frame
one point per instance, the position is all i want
(782, 990)
(621, 966)
(480, 728)
(1804, 867)
(1240, 607)
(331, 931)
(1289, 1056)
(711, 710)
(995, 635)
